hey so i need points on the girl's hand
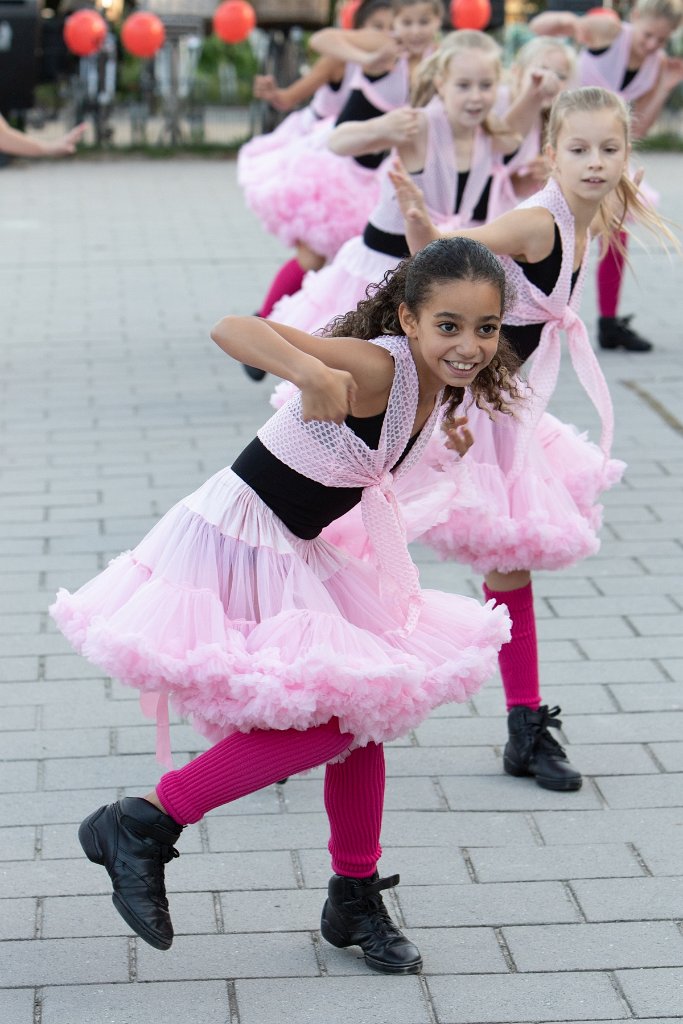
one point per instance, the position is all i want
(420, 230)
(458, 436)
(266, 88)
(536, 170)
(544, 84)
(672, 73)
(383, 59)
(66, 146)
(327, 395)
(400, 125)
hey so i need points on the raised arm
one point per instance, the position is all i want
(325, 69)
(647, 108)
(356, 138)
(16, 143)
(592, 30)
(373, 50)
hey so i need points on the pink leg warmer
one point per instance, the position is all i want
(518, 659)
(243, 763)
(610, 276)
(354, 801)
(287, 281)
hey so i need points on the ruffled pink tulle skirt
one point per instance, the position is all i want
(335, 289)
(302, 192)
(246, 626)
(548, 518)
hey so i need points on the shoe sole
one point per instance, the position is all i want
(557, 785)
(87, 837)
(336, 939)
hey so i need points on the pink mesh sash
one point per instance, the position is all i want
(389, 92)
(333, 455)
(607, 69)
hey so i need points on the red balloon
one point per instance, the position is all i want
(85, 32)
(470, 13)
(233, 20)
(348, 13)
(608, 11)
(143, 34)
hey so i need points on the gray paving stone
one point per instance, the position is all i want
(69, 691)
(632, 728)
(200, 957)
(503, 793)
(495, 904)
(670, 755)
(653, 993)
(17, 843)
(409, 794)
(523, 864)
(46, 808)
(275, 910)
(663, 856)
(19, 777)
(335, 1000)
(621, 604)
(17, 718)
(82, 916)
(648, 697)
(643, 791)
(629, 826)
(586, 996)
(588, 947)
(444, 950)
(17, 1005)
(24, 745)
(630, 899)
(417, 761)
(197, 1002)
(67, 961)
(416, 865)
(612, 759)
(17, 919)
(122, 770)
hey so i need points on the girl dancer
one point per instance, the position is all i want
(630, 60)
(452, 152)
(284, 649)
(530, 484)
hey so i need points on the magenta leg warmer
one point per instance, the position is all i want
(518, 659)
(354, 800)
(287, 281)
(610, 276)
(243, 763)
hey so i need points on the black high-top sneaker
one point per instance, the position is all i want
(133, 840)
(253, 372)
(354, 915)
(616, 332)
(531, 750)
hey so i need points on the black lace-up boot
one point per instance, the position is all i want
(354, 915)
(616, 332)
(133, 840)
(253, 372)
(531, 750)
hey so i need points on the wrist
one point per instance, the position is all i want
(305, 370)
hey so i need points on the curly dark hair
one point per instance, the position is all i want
(446, 259)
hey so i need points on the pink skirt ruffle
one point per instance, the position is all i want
(335, 289)
(302, 192)
(548, 518)
(245, 626)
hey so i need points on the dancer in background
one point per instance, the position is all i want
(530, 485)
(282, 648)
(629, 59)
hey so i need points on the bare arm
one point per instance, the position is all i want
(356, 138)
(542, 85)
(373, 50)
(647, 108)
(592, 30)
(16, 143)
(325, 69)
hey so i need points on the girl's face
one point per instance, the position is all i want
(468, 88)
(591, 154)
(455, 333)
(382, 20)
(415, 27)
(555, 60)
(649, 34)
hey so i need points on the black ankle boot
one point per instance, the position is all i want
(531, 750)
(616, 332)
(354, 915)
(253, 372)
(133, 840)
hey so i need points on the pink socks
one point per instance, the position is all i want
(354, 801)
(610, 275)
(287, 281)
(518, 659)
(243, 763)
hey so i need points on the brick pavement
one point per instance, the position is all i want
(528, 905)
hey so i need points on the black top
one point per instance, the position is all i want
(304, 505)
(628, 74)
(544, 274)
(359, 108)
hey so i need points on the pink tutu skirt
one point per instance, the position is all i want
(335, 289)
(246, 626)
(302, 192)
(548, 518)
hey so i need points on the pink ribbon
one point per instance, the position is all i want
(155, 705)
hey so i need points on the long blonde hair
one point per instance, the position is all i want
(672, 10)
(436, 66)
(630, 204)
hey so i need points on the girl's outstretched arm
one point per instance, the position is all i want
(592, 30)
(647, 108)
(333, 374)
(356, 138)
(372, 49)
(527, 235)
(325, 69)
(18, 144)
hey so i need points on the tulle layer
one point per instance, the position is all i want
(246, 626)
(335, 289)
(260, 155)
(302, 192)
(548, 518)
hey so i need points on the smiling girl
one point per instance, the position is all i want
(530, 485)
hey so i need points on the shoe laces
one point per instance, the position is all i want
(548, 719)
(371, 903)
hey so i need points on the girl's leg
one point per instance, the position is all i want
(614, 331)
(287, 281)
(531, 749)
(354, 913)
